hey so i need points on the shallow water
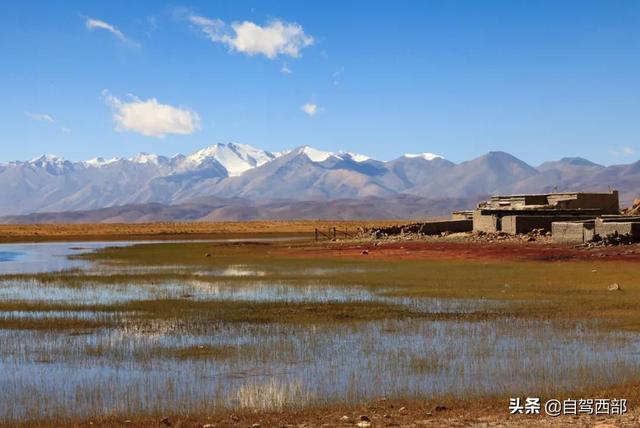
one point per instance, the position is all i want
(54, 256)
(148, 365)
(46, 257)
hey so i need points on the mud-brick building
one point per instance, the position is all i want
(581, 231)
(522, 213)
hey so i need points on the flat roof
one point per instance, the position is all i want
(521, 195)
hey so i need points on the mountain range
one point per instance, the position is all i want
(240, 182)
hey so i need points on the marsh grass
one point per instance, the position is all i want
(161, 328)
(561, 289)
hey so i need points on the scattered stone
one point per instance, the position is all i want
(614, 287)
(402, 410)
(365, 252)
(127, 421)
(386, 416)
(612, 239)
(165, 421)
(365, 418)
(208, 426)
(234, 418)
(363, 424)
(441, 408)
(345, 418)
(255, 426)
(207, 254)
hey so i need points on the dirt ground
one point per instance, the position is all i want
(381, 413)
(467, 247)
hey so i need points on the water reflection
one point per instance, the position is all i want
(47, 257)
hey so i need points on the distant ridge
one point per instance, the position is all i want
(238, 171)
(403, 207)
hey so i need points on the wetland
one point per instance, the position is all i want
(182, 328)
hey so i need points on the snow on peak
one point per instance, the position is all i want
(314, 155)
(47, 159)
(425, 156)
(99, 161)
(146, 158)
(51, 163)
(235, 158)
(356, 157)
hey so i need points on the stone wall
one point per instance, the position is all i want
(484, 223)
(514, 224)
(573, 232)
(607, 202)
(426, 228)
(604, 228)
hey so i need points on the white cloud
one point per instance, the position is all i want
(96, 24)
(310, 109)
(65, 130)
(273, 39)
(41, 117)
(150, 118)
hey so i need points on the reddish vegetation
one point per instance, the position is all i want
(442, 250)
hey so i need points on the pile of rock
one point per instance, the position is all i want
(534, 235)
(611, 240)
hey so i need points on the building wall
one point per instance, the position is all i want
(573, 232)
(462, 215)
(604, 228)
(607, 202)
(515, 224)
(437, 227)
(484, 223)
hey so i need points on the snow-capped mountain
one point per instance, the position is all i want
(235, 158)
(52, 184)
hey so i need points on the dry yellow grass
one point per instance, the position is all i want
(181, 230)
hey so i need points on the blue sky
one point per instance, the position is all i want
(538, 79)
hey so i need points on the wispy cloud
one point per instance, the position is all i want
(336, 76)
(150, 118)
(285, 69)
(40, 117)
(97, 24)
(310, 109)
(623, 152)
(271, 40)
